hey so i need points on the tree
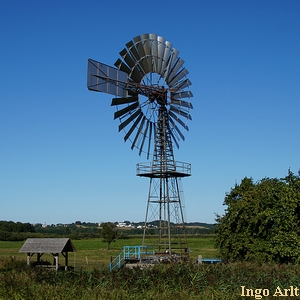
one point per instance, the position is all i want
(261, 221)
(108, 233)
(11, 226)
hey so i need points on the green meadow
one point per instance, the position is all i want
(93, 253)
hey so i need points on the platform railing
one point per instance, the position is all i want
(177, 167)
(130, 252)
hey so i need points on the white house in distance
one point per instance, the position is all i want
(125, 224)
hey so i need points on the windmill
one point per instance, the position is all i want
(152, 101)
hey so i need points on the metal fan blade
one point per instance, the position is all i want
(135, 73)
(154, 49)
(139, 45)
(141, 54)
(122, 66)
(138, 132)
(145, 65)
(144, 137)
(178, 64)
(119, 101)
(146, 45)
(183, 72)
(180, 112)
(183, 94)
(136, 122)
(176, 128)
(181, 85)
(134, 54)
(172, 59)
(130, 119)
(127, 58)
(132, 92)
(160, 52)
(125, 110)
(147, 49)
(175, 117)
(131, 48)
(167, 51)
(181, 103)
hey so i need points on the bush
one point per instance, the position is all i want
(261, 221)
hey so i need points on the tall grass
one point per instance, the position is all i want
(179, 281)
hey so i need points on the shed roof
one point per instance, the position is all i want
(47, 245)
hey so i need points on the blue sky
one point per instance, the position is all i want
(62, 158)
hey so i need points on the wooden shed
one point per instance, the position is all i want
(54, 246)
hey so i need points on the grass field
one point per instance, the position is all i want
(183, 281)
(92, 253)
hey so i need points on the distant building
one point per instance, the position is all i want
(125, 224)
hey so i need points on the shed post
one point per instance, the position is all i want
(56, 261)
(38, 258)
(28, 259)
(66, 261)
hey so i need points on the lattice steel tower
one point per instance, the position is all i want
(164, 198)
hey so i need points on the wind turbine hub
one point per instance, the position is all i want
(160, 96)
